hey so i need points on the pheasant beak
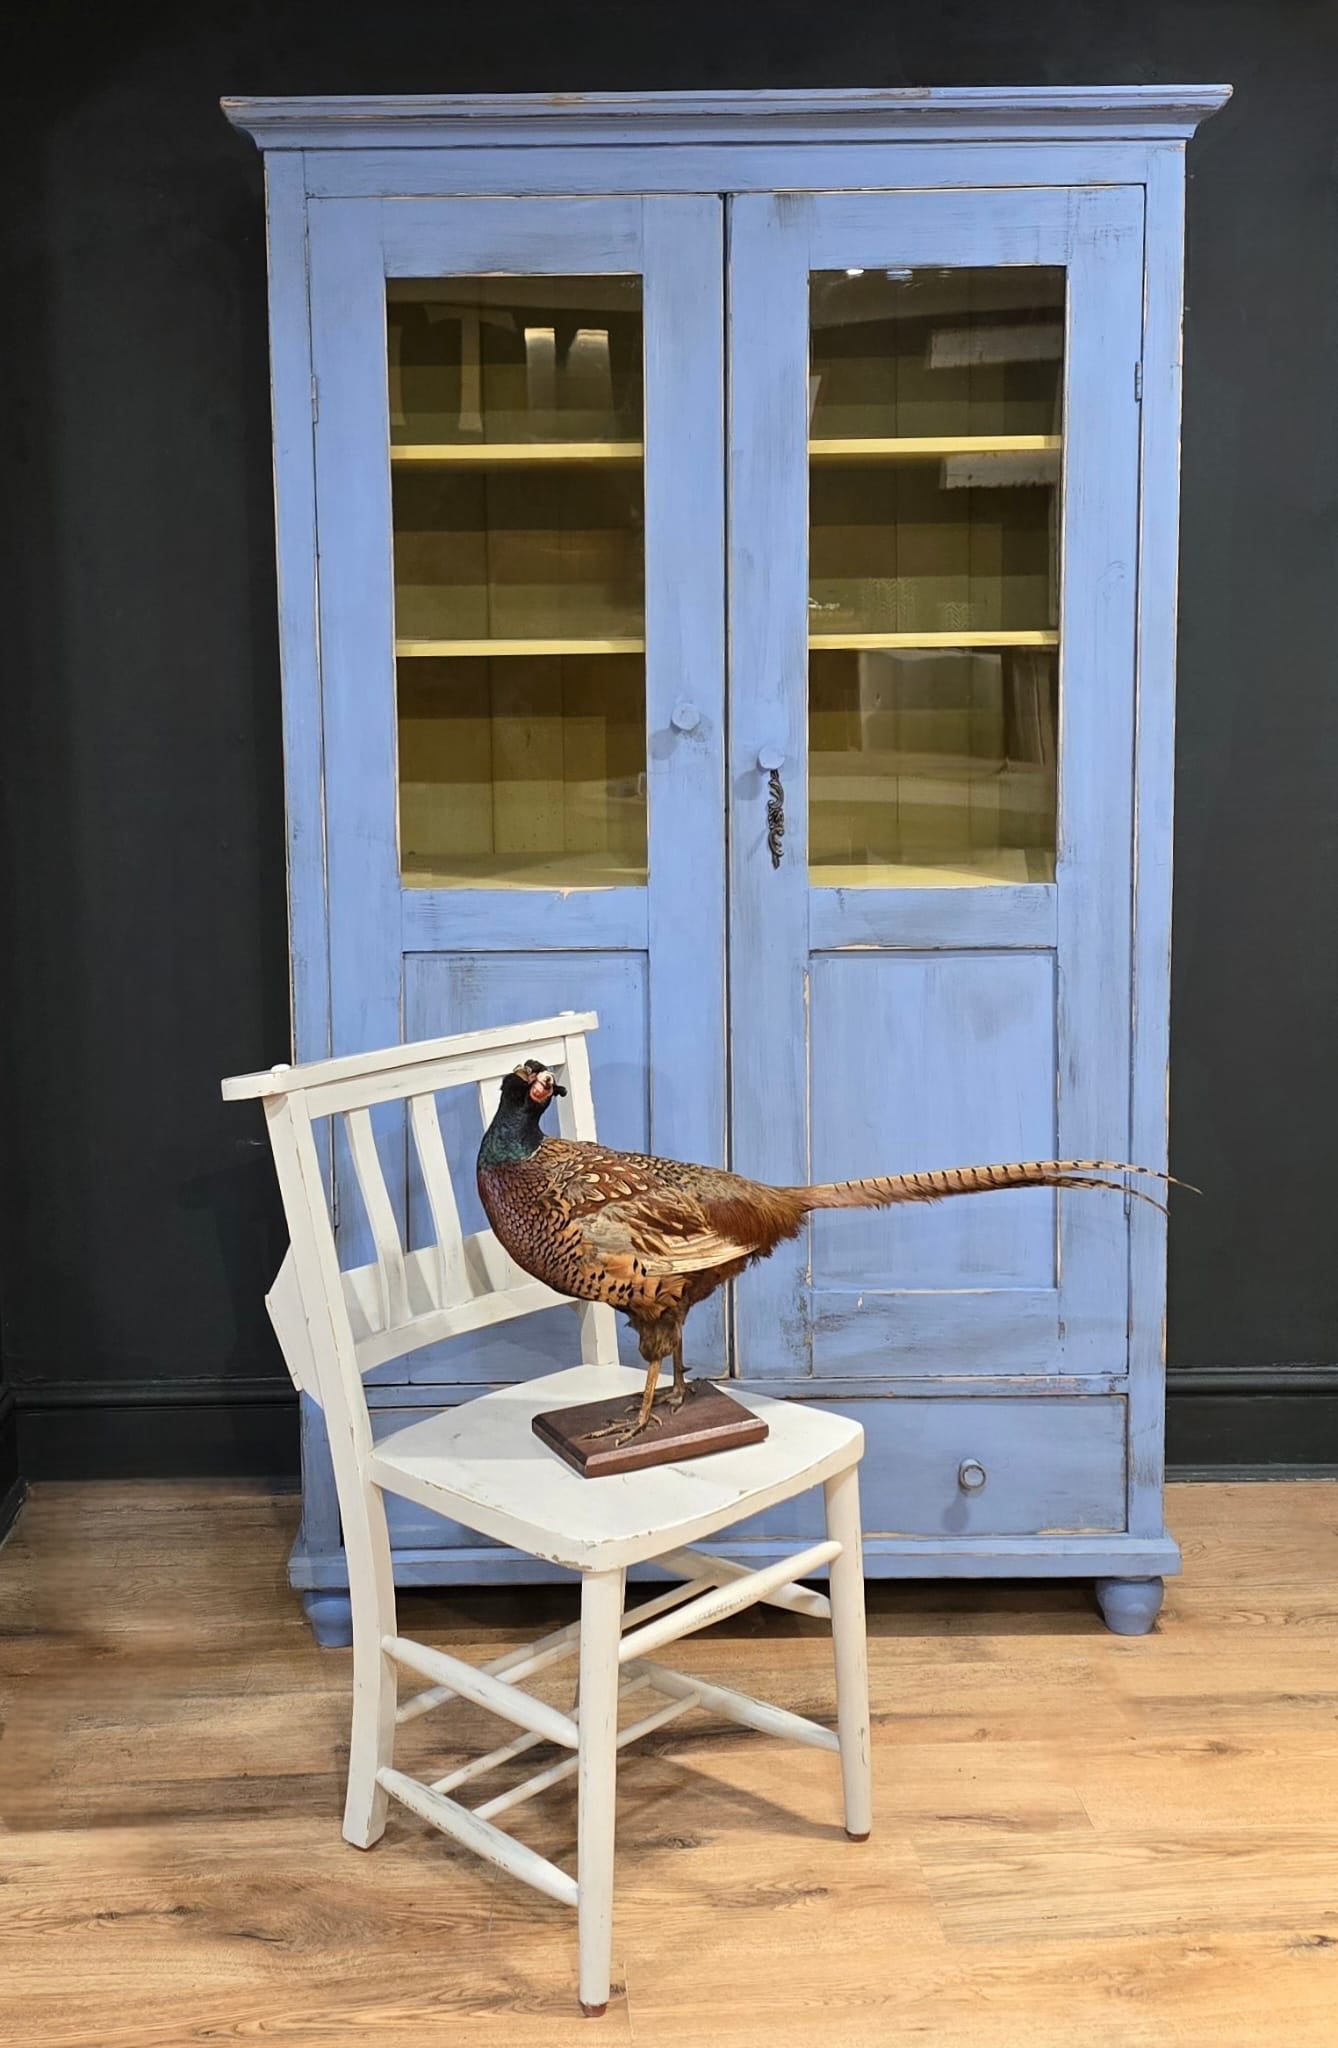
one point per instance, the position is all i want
(543, 1088)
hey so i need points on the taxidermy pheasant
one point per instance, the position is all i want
(653, 1237)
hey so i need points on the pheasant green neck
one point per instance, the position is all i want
(513, 1135)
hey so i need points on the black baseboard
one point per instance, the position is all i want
(12, 1489)
(160, 1429)
(1252, 1422)
(11, 1506)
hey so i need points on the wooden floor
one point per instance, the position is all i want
(1081, 1842)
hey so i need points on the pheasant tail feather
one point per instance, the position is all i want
(888, 1189)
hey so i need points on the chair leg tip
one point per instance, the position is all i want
(851, 1836)
(594, 2012)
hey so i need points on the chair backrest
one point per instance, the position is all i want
(336, 1324)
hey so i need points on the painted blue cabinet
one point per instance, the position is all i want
(727, 550)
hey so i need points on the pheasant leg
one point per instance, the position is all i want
(671, 1399)
(643, 1419)
(681, 1389)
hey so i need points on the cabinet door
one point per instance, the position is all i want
(520, 484)
(934, 512)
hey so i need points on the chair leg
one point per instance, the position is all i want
(601, 1629)
(371, 1585)
(850, 1648)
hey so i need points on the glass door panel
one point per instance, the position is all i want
(935, 442)
(516, 449)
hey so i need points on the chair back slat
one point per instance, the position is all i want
(425, 1124)
(333, 1324)
(380, 1217)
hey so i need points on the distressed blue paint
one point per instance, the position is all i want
(1129, 1606)
(768, 666)
(888, 114)
(1153, 803)
(763, 165)
(303, 738)
(926, 1060)
(1018, 1019)
(1023, 917)
(541, 920)
(331, 1616)
(880, 1334)
(526, 237)
(685, 653)
(885, 1557)
(1099, 583)
(915, 1450)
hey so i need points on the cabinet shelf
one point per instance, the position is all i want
(627, 454)
(486, 649)
(513, 454)
(868, 448)
(871, 641)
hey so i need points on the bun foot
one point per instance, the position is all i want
(1130, 1606)
(331, 1618)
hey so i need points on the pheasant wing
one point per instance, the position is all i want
(626, 1207)
(665, 1231)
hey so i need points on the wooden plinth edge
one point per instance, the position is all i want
(709, 1420)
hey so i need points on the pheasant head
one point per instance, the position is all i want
(514, 1132)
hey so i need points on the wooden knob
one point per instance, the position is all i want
(970, 1475)
(685, 717)
(769, 758)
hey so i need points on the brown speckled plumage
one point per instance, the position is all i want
(652, 1237)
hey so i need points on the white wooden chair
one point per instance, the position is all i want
(480, 1464)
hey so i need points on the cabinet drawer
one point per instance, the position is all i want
(979, 1467)
(971, 1468)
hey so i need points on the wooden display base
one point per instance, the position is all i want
(709, 1420)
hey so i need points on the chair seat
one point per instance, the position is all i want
(481, 1464)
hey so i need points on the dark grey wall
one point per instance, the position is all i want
(143, 801)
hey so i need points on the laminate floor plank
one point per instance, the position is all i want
(1081, 1841)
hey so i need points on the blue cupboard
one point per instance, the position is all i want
(727, 557)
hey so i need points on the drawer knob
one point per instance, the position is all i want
(685, 717)
(970, 1475)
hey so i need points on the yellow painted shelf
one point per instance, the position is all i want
(438, 649)
(522, 871)
(861, 448)
(511, 454)
(409, 649)
(868, 448)
(928, 640)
